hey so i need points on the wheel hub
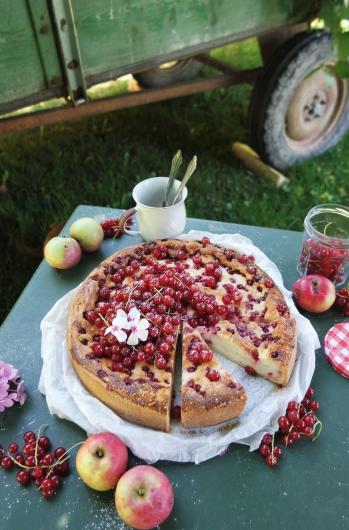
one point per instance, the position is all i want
(315, 108)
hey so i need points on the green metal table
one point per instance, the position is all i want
(309, 489)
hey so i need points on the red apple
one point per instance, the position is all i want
(101, 460)
(314, 293)
(144, 497)
(62, 252)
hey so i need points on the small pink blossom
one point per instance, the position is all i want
(129, 327)
(138, 326)
(118, 326)
(12, 388)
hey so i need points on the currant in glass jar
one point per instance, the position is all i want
(325, 248)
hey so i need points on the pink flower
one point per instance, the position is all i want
(5, 397)
(118, 325)
(21, 396)
(11, 387)
(8, 372)
(138, 326)
(123, 324)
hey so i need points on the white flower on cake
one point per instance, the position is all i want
(133, 322)
(138, 326)
(118, 325)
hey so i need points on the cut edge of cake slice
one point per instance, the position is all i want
(210, 395)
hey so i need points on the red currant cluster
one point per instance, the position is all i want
(342, 300)
(111, 228)
(299, 421)
(36, 463)
(318, 258)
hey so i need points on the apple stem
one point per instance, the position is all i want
(315, 286)
(141, 492)
(99, 452)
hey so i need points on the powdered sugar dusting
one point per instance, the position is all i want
(105, 519)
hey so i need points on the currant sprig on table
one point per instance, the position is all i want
(299, 421)
(111, 228)
(37, 462)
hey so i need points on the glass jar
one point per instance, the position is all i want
(325, 248)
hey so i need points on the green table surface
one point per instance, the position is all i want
(309, 489)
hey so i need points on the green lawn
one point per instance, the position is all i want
(49, 171)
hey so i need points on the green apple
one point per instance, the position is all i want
(88, 233)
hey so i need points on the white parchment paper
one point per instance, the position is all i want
(67, 398)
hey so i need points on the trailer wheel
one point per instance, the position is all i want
(299, 106)
(169, 73)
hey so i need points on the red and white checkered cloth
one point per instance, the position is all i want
(336, 345)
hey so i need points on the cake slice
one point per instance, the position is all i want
(210, 395)
(264, 349)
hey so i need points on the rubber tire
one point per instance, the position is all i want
(290, 64)
(184, 70)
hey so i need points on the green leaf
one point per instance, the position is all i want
(342, 45)
(329, 14)
(342, 69)
(344, 12)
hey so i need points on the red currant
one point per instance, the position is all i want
(55, 481)
(295, 436)
(63, 468)
(284, 424)
(308, 431)
(314, 405)
(267, 439)
(213, 375)
(264, 450)
(277, 451)
(164, 347)
(29, 436)
(161, 362)
(309, 393)
(271, 460)
(167, 328)
(59, 452)
(23, 477)
(13, 448)
(7, 462)
(37, 473)
(48, 460)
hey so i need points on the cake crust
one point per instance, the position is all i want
(260, 310)
(206, 403)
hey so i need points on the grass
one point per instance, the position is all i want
(45, 173)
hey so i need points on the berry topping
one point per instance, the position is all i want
(213, 375)
(250, 371)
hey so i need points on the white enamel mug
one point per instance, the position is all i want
(154, 220)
